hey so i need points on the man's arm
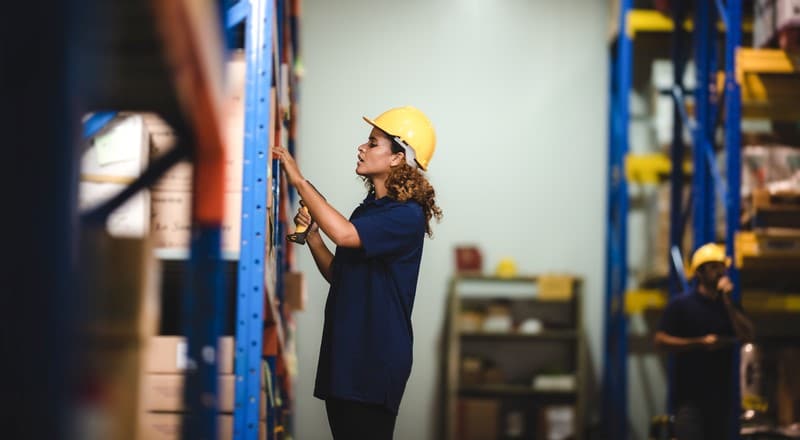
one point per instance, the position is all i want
(742, 325)
(667, 342)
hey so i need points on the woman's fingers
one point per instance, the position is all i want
(303, 217)
(288, 164)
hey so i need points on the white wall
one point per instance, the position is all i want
(517, 90)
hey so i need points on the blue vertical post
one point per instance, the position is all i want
(616, 336)
(702, 183)
(678, 149)
(608, 346)
(677, 152)
(733, 145)
(203, 309)
(256, 172)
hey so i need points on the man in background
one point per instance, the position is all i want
(701, 329)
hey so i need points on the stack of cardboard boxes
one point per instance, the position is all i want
(119, 297)
(162, 410)
(163, 383)
(142, 376)
(172, 195)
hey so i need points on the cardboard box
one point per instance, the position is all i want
(171, 223)
(788, 386)
(120, 285)
(164, 393)
(557, 422)
(555, 287)
(167, 426)
(478, 419)
(295, 295)
(113, 372)
(168, 355)
(162, 137)
(117, 153)
(468, 260)
(131, 220)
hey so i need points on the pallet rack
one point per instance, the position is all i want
(165, 57)
(720, 98)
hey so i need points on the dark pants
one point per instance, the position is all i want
(359, 421)
(703, 421)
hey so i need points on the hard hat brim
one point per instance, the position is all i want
(374, 124)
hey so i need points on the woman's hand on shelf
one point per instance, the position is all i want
(288, 164)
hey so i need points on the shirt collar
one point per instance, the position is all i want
(371, 200)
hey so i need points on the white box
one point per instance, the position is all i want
(772, 16)
(119, 152)
(131, 220)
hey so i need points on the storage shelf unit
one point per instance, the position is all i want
(165, 57)
(263, 353)
(520, 356)
(521, 337)
(752, 83)
(704, 173)
(518, 391)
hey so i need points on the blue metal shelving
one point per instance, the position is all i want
(84, 44)
(733, 168)
(708, 186)
(615, 361)
(252, 258)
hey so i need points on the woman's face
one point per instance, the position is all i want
(375, 157)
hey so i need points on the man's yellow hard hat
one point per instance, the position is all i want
(707, 253)
(413, 128)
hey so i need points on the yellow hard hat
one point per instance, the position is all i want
(506, 268)
(413, 128)
(707, 253)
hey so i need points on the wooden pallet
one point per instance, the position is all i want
(775, 210)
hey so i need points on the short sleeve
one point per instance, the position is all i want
(396, 229)
(670, 320)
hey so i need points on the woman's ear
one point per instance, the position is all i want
(398, 158)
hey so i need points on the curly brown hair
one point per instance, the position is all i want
(408, 183)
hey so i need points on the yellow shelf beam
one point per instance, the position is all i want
(650, 168)
(763, 61)
(770, 84)
(652, 21)
(637, 301)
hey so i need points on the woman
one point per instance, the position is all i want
(365, 358)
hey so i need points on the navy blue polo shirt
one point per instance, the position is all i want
(366, 351)
(699, 375)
